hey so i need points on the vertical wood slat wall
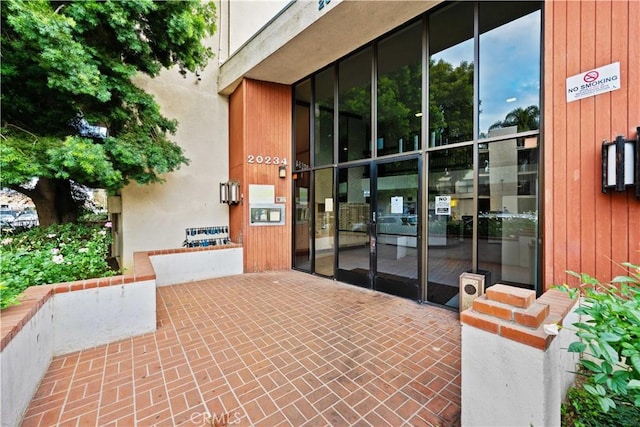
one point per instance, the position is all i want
(260, 125)
(584, 229)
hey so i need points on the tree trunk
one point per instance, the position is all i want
(53, 200)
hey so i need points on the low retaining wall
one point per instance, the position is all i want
(185, 265)
(66, 317)
(26, 351)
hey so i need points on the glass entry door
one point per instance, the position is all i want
(397, 229)
(450, 222)
(379, 227)
(354, 218)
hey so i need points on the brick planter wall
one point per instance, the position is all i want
(513, 372)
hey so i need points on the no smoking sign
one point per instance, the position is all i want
(591, 76)
(593, 82)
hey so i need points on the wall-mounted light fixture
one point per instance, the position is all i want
(282, 171)
(224, 192)
(621, 164)
(230, 192)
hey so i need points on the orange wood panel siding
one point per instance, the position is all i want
(584, 229)
(236, 160)
(260, 125)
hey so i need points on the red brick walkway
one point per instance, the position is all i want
(280, 348)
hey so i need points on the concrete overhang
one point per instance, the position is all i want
(302, 39)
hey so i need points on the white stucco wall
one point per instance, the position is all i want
(189, 266)
(568, 360)
(96, 316)
(499, 374)
(23, 362)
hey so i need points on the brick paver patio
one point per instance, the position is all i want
(268, 349)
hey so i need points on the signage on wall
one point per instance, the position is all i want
(328, 204)
(262, 194)
(593, 82)
(266, 214)
(443, 205)
(252, 159)
(397, 205)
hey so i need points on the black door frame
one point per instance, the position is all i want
(403, 288)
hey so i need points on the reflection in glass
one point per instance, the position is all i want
(324, 209)
(324, 108)
(353, 225)
(451, 75)
(509, 67)
(507, 211)
(302, 223)
(400, 91)
(397, 229)
(302, 122)
(355, 106)
(450, 222)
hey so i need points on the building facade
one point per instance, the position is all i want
(397, 145)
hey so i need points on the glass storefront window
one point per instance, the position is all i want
(451, 75)
(449, 222)
(302, 113)
(324, 210)
(480, 210)
(302, 221)
(509, 67)
(507, 210)
(354, 84)
(399, 97)
(323, 116)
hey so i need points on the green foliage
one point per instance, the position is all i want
(451, 100)
(610, 337)
(398, 101)
(60, 253)
(64, 58)
(582, 409)
(524, 118)
(100, 217)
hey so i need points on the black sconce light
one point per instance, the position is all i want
(282, 171)
(621, 164)
(230, 192)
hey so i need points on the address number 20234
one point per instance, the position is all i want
(266, 160)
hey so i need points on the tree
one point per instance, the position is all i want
(71, 114)
(524, 118)
(451, 101)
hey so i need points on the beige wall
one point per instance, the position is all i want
(246, 17)
(155, 216)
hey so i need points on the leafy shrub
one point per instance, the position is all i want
(610, 338)
(582, 409)
(94, 217)
(60, 253)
